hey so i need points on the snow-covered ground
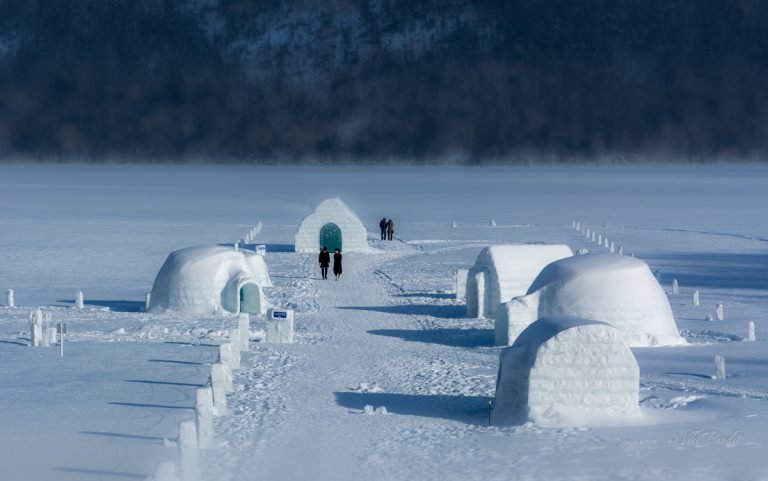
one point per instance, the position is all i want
(390, 333)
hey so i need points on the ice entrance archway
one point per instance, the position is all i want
(250, 298)
(330, 236)
(330, 215)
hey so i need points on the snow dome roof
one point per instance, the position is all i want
(544, 329)
(199, 279)
(615, 289)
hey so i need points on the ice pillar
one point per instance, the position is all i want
(204, 417)
(188, 451)
(720, 311)
(79, 302)
(719, 368)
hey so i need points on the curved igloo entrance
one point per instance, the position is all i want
(502, 272)
(204, 280)
(566, 371)
(251, 298)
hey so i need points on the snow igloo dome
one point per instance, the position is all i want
(333, 225)
(619, 290)
(201, 280)
(567, 372)
(502, 272)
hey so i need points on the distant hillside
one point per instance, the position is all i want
(367, 79)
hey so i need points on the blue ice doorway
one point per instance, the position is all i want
(330, 237)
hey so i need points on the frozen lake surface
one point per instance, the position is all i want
(390, 333)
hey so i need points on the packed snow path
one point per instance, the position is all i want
(316, 429)
(316, 426)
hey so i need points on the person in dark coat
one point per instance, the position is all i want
(337, 263)
(390, 229)
(325, 260)
(383, 227)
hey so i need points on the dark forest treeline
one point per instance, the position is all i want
(266, 79)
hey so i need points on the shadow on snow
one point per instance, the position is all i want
(151, 406)
(688, 374)
(113, 305)
(466, 409)
(471, 337)
(164, 383)
(136, 437)
(433, 310)
(430, 295)
(173, 361)
(101, 473)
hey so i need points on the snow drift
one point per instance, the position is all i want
(566, 372)
(619, 290)
(201, 280)
(332, 222)
(502, 272)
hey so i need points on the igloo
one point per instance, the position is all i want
(619, 290)
(201, 280)
(566, 372)
(332, 225)
(502, 272)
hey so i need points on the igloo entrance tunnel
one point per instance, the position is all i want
(201, 280)
(502, 272)
(566, 372)
(333, 225)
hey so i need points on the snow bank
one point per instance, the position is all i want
(354, 237)
(621, 291)
(566, 372)
(200, 280)
(509, 271)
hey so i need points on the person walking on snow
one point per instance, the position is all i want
(325, 260)
(383, 228)
(390, 229)
(337, 263)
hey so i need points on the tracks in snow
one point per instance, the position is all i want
(296, 398)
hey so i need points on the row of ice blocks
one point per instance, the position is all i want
(279, 325)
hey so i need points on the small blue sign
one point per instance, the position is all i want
(279, 314)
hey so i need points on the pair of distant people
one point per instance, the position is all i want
(325, 261)
(387, 229)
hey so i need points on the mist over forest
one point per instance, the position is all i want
(366, 80)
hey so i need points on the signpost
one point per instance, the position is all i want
(279, 325)
(61, 329)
